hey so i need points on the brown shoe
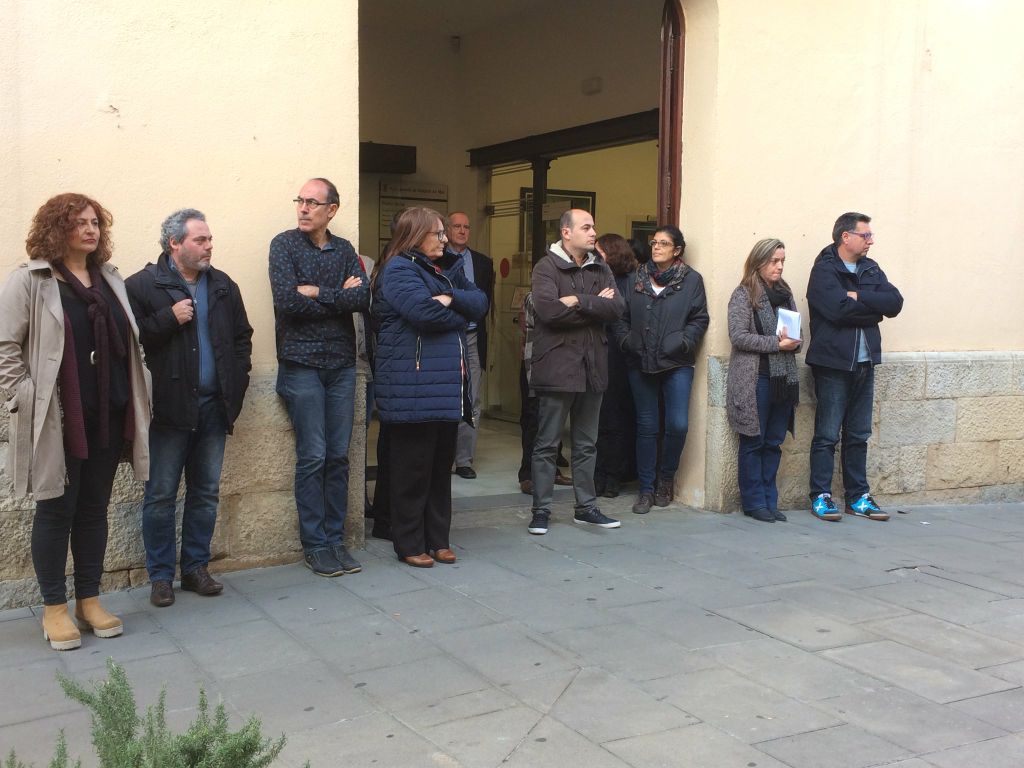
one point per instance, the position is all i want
(161, 593)
(561, 479)
(445, 556)
(663, 492)
(201, 582)
(91, 615)
(58, 628)
(419, 561)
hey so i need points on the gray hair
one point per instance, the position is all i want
(175, 226)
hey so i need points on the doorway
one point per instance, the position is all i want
(446, 76)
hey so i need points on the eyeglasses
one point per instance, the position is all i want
(864, 235)
(441, 235)
(662, 244)
(309, 202)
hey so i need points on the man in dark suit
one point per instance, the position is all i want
(479, 269)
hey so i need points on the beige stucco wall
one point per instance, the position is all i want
(227, 107)
(910, 112)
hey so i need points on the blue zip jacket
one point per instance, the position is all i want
(420, 371)
(837, 320)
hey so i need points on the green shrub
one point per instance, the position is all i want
(123, 739)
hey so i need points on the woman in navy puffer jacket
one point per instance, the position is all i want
(420, 313)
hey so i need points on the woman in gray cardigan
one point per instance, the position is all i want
(762, 386)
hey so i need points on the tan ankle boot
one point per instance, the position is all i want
(59, 629)
(92, 615)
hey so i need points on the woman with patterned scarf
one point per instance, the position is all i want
(666, 317)
(762, 387)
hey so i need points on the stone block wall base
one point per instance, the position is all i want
(948, 428)
(256, 522)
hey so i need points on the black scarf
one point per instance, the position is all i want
(783, 380)
(104, 330)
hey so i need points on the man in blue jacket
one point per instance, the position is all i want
(848, 295)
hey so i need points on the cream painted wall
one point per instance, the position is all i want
(227, 107)
(910, 112)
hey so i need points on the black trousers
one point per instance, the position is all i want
(79, 516)
(527, 424)
(421, 485)
(616, 436)
(382, 488)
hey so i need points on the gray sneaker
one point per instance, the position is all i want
(322, 562)
(348, 563)
(595, 516)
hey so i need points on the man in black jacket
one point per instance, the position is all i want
(848, 295)
(198, 344)
(479, 270)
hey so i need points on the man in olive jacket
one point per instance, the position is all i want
(574, 297)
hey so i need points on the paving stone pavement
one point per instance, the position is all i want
(684, 638)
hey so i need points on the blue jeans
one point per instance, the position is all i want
(674, 386)
(759, 456)
(845, 400)
(200, 453)
(320, 406)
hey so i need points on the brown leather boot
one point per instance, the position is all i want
(59, 629)
(92, 615)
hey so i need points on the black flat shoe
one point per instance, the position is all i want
(779, 517)
(761, 515)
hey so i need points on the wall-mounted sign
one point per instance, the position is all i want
(396, 195)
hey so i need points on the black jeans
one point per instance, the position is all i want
(382, 488)
(421, 485)
(527, 424)
(80, 515)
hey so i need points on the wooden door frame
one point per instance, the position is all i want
(670, 131)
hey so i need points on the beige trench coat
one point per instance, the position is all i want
(31, 348)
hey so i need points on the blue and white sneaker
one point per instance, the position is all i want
(824, 508)
(865, 506)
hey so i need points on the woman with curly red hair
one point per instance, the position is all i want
(78, 391)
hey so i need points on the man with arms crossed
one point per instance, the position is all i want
(479, 270)
(574, 297)
(317, 283)
(848, 295)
